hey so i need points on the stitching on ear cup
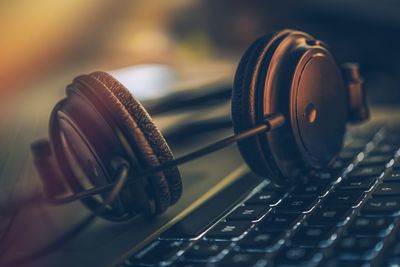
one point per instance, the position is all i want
(135, 135)
(149, 129)
(244, 114)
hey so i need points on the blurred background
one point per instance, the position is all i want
(48, 40)
(171, 44)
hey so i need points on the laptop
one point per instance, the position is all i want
(227, 215)
(347, 217)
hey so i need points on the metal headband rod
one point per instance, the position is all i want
(271, 122)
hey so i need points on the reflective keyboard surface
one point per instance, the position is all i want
(346, 215)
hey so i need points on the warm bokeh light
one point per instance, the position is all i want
(39, 35)
(42, 39)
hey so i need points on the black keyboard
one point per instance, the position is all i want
(347, 215)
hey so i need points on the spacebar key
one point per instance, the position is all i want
(206, 214)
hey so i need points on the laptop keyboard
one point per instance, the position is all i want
(347, 215)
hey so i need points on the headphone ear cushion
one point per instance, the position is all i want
(243, 108)
(153, 136)
(102, 86)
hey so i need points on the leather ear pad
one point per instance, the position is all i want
(135, 121)
(256, 154)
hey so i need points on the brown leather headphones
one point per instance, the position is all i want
(287, 82)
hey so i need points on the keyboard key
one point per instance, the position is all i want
(362, 248)
(278, 222)
(157, 252)
(344, 198)
(206, 250)
(240, 259)
(325, 176)
(371, 160)
(328, 217)
(296, 204)
(259, 241)
(310, 190)
(204, 216)
(294, 256)
(370, 226)
(357, 183)
(384, 149)
(228, 230)
(247, 213)
(311, 236)
(381, 206)
(387, 189)
(367, 171)
(264, 198)
(393, 176)
(357, 144)
(354, 243)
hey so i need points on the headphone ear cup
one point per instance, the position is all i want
(145, 123)
(256, 154)
(141, 133)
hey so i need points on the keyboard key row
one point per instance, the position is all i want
(381, 206)
(265, 223)
(370, 226)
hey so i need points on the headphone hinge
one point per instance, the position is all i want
(358, 107)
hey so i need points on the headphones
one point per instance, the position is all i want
(290, 106)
